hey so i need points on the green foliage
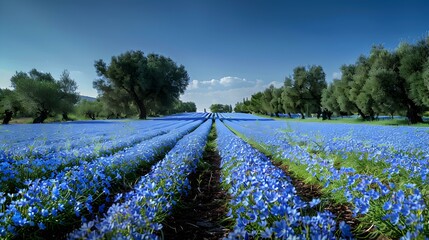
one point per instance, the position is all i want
(219, 108)
(68, 92)
(10, 101)
(329, 100)
(148, 83)
(243, 107)
(180, 107)
(39, 93)
(303, 91)
(90, 109)
(385, 82)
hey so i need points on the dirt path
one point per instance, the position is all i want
(199, 215)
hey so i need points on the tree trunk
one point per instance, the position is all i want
(363, 116)
(277, 114)
(326, 114)
(319, 112)
(142, 110)
(65, 117)
(90, 115)
(42, 116)
(289, 114)
(329, 115)
(413, 113)
(140, 105)
(371, 115)
(302, 115)
(7, 116)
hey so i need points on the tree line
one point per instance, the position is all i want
(220, 108)
(132, 84)
(382, 83)
(38, 94)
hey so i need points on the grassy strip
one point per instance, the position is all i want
(389, 122)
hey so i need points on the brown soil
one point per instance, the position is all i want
(200, 214)
(307, 192)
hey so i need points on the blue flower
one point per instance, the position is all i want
(45, 212)
(387, 206)
(267, 232)
(314, 202)
(281, 229)
(394, 218)
(345, 230)
(41, 226)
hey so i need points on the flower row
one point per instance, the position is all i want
(263, 201)
(81, 190)
(367, 193)
(14, 172)
(153, 197)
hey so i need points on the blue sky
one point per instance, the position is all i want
(230, 49)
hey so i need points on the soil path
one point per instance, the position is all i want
(199, 215)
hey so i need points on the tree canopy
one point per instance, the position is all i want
(384, 82)
(219, 108)
(180, 107)
(133, 79)
(39, 93)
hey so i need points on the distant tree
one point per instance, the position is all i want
(358, 94)
(256, 103)
(68, 94)
(154, 79)
(270, 101)
(329, 100)
(342, 91)
(238, 107)
(276, 101)
(266, 98)
(180, 107)
(90, 109)
(116, 101)
(384, 84)
(413, 69)
(288, 99)
(425, 76)
(297, 93)
(242, 107)
(316, 84)
(41, 94)
(303, 91)
(219, 108)
(10, 104)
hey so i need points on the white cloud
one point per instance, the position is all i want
(193, 85)
(211, 83)
(337, 75)
(228, 81)
(222, 83)
(238, 89)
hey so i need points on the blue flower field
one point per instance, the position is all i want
(123, 179)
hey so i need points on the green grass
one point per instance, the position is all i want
(390, 122)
